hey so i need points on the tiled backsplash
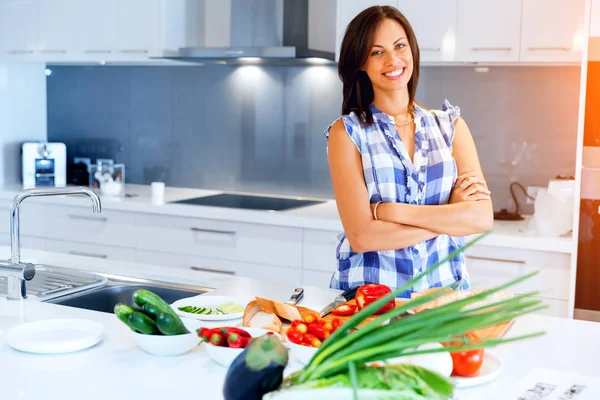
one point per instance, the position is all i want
(260, 129)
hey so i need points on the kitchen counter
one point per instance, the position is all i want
(513, 234)
(117, 369)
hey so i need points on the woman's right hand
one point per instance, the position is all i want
(469, 187)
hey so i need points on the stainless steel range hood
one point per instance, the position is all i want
(264, 31)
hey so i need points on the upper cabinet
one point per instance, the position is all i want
(434, 23)
(488, 31)
(91, 30)
(552, 30)
(19, 27)
(448, 31)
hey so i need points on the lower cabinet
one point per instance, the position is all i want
(219, 266)
(99, 251)
(490, 266)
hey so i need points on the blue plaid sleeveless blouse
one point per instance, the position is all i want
(392, 177)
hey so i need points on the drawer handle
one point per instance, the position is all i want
(194, 229)
(134, 51)
(436, 49)
(50, 51)
(97, 51)
(85, 217)
(20, 51)
(496, 259)
(491, 48)
(218, 271)
(80, 253)
(549, 48)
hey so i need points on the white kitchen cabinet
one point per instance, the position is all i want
(220, 239)
(552, 30)
(58, 24)
(491, 266)
(31, 218)
(318, 250)
(27, 242)
(97, 28)
(488, 31)
(138, 28)
(19, 26)
(434, 24)
(81, 225)
(218, 266)
(99, 251)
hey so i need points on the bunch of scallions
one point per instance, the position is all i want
(348, 349)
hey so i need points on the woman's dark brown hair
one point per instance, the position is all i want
(354, 52)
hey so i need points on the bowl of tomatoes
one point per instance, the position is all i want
(305, 336)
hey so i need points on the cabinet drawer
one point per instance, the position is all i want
(218, 266)
(316, 278)
(490, 266)
(79, 224)
(27, 242)
(318, 250)
(252, 243)
(101, 252)
(31, 217)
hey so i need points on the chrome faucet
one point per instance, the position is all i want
(18, 272)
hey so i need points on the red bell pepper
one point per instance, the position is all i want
(367, 294)
(344, 309)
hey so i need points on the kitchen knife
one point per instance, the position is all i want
(296, 296)
(339, 300)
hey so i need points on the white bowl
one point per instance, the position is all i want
(226, 355)
(171, 345)
(329, 394)
(302, 353)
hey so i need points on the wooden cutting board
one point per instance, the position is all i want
(492, 332)
(289, 313)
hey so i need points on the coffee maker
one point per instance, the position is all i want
(44, 164)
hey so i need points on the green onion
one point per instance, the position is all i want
(388, 337)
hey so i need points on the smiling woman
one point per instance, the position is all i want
(407, 180)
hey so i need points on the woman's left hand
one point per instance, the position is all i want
(469, 187)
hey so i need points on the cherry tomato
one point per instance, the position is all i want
(344, 309)
(328, 326)
(310, 318)
(317, 330)
(296, 322)
(302, 328)
(311, 340)
(294, 336)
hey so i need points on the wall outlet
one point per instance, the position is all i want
(532, 191)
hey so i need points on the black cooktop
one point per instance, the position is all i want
(248, 202)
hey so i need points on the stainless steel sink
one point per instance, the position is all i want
(119, 289)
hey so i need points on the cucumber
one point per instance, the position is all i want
(150, 310)
(142, 296)
(143, 323)
(123, 311)
(169, 325)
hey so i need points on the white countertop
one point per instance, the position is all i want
(514, 234)
(117, 369)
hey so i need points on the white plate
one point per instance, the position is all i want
(55, 335)
(212, 302)
(490, 369)
(329, 394)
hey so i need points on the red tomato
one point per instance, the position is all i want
(367, 294)
(466, 362)
(344, 309)
(294, 336)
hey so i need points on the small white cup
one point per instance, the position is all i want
(158, 192)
